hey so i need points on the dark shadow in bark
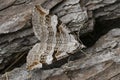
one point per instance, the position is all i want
(100, 29)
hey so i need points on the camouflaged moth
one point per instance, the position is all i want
(56, 42)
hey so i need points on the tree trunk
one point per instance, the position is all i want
(89, 19)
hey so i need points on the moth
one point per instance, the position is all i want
(56, 41)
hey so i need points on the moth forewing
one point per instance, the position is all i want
(38, 20)
(33, 58)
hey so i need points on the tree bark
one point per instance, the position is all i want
(80, 16)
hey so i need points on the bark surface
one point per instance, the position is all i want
(81, 17)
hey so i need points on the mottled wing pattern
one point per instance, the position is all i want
(56, 42)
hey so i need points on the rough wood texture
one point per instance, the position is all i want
(103, 64)
(72, 14)
(6, 3)
(17, 35)
(100, 10)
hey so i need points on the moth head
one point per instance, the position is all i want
(41, 10)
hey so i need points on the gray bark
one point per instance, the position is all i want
(103, 63)
(17, 38)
